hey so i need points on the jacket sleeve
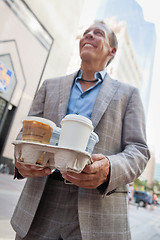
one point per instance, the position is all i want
(128, 165)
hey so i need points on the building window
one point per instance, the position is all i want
(3, 104)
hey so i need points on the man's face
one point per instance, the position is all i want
(94, 44)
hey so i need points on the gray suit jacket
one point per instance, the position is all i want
(118, 119)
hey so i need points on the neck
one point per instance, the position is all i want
(89, 71)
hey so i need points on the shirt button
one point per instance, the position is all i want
(82, 96)
(77, 113)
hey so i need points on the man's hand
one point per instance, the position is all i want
(93, 175)
(32, 171)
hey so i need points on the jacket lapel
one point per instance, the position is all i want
(65, 89)
(106, 93)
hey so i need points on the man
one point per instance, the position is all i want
(94, 206)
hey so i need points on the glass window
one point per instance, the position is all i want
(3, 104)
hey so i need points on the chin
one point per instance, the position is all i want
(86, 56)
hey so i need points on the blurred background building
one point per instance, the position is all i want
(142, 35)
(157, 172)
(150, 170)
(39, 40)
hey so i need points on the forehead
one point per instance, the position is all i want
(97, 26)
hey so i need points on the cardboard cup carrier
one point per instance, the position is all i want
(67, 148)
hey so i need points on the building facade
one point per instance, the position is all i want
(36, 41)
(142, 35)
(150, 170)
(125, 66)
(157, 172)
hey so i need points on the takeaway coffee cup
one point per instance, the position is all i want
(92, 142)
(75, 132)
(36, 129)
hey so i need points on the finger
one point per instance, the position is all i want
(92, 168)
(97, 157)
(99, 169)
(32, 171)
(36, 173)
(71, 176)
(22, 166)
(28, 166)
(81, 180)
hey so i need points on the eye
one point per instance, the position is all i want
(98, 32)
(85, 33)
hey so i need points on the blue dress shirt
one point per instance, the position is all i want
(80, 102)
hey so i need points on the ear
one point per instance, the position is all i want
(112, 52)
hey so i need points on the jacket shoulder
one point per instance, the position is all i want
(60, 78)
(123, 85)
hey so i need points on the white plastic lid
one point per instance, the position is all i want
(79, 118)
(41, 120)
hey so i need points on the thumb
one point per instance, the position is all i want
(97, 157)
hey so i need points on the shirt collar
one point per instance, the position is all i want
(98, 75)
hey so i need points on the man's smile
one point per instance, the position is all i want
(88, 45)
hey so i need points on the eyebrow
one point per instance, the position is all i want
(94, 29)
(86, 31)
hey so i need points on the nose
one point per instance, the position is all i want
(89, 35)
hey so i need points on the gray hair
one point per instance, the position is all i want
(113, 42)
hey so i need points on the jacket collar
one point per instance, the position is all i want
(106, 93)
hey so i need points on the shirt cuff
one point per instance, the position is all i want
(17, 174)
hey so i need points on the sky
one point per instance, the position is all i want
(151, 14)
